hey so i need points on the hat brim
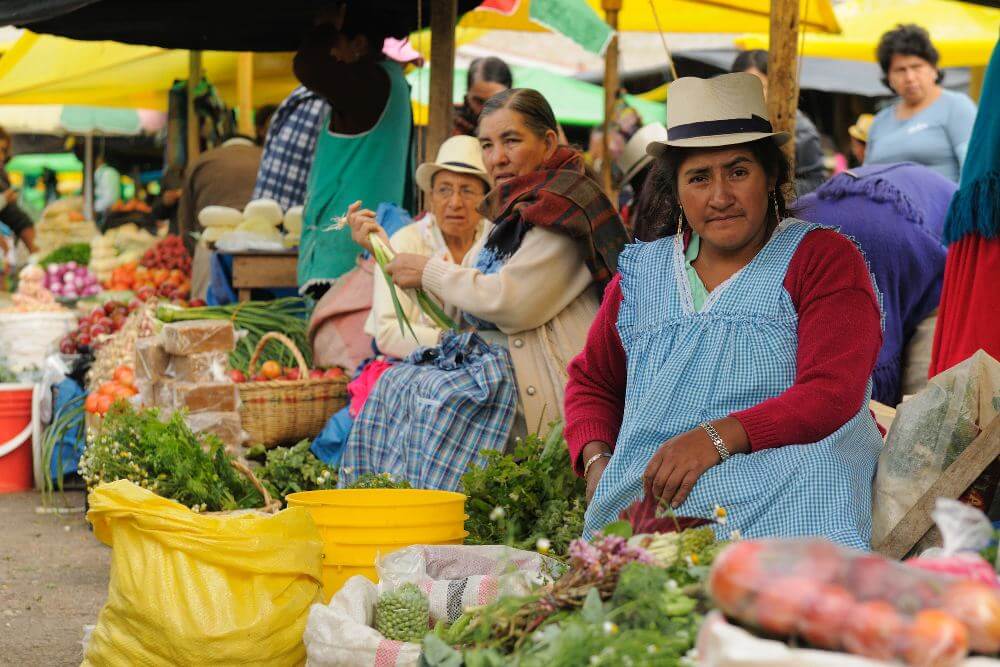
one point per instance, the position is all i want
(857, 134)
(425, 174)
(659, 148)
(637, 167)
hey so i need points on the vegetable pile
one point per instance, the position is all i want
(121, 387)
(71, 280)
(169, 254)
(95, 328)
(167, 458)
(530, 495)
(288, 315)
(271, 371)
(403, 615)
(73, 252)
(292, 469)
(615, 605)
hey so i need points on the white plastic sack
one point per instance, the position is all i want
(929, 432)
(456, 577)
(27, 338)
(340, 634)
(721, 644)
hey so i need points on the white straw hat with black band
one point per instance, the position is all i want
(634, 157)
(461, 154)
(708, 113)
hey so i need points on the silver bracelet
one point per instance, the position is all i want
(591, 460)
(720, 446)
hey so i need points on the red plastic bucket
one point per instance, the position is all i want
(15, 438)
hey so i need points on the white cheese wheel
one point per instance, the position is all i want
(293, 220)
(265, 209)
(213, 234)
(219, 216)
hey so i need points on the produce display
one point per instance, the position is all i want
(836, 599)
(525, 496)
(167, 458)
(615, 605)
(62, 222)
(168, 254)
(272, 371)
(118, 349)
(97, 327)
(292, 469)
(121, 387)
(71, 280)
(288, 315)
(72, 252)
(118, 247)
(403, 615)
(31, 295)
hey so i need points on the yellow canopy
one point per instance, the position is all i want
(964, 34)
(44, 69)
(674, 15)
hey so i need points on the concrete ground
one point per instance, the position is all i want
(53, 581)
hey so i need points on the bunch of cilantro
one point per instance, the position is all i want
(292, 469)
(527, 499)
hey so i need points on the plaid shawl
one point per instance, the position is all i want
(562, 198)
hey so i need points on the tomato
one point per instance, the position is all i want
(873, 629)
(122, 392)
(869, 576)
(90, 405)
(822, 623)
(106, 389)
(736, 576)
(237, 376)
(258, 378)
(103, 404)
(777, 609)
(978, 607)
(125, 376)
(315, 374)
(821, 561)
(271, 369)
(291, 373)
(935, 639)
(334, 373)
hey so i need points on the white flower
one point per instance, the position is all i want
(653, 648)
(497, 513)
(319, 480)
(348, 470)
(610, 628)
(543, 545)
(720, 515)
(326, 473)
(514, 496)
(671, 585)
(735, 534)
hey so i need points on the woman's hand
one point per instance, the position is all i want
(362, 224)
(681, 461)
(407, 270)
(596, 469)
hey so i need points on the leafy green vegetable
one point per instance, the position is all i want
(167, 458)
(72, 252)
(379, 480)
(292, 469)
(523, 497)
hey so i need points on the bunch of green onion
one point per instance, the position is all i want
(383, 255)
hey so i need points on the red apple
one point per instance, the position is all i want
(315, 374)
(333, 373)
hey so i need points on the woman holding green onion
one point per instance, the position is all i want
(535, 285)
(452, 231)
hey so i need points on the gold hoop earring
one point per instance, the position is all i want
(774, 200)
(680, 222)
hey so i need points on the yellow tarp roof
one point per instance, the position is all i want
(674, 15)
(964, 34)
(44, 69)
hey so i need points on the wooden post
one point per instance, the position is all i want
(976, 77)
(439, 123)
(193, 127)
(88, 176)
(611, 9)
(783, 70)
(244, 93)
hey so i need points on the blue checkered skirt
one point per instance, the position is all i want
(686, 367)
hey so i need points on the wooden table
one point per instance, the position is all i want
(263, 270)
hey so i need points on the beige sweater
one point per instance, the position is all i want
(422, 238)
(543, 298)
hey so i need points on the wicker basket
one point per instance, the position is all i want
(271, 505)
(282, 412)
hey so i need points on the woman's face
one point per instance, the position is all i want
(510, 149)
(481, 91)
(724, 194)
(912, 78)
(454, 198)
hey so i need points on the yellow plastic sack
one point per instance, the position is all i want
(190, 589)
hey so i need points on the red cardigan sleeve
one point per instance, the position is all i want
(595, 392)
(839, 335)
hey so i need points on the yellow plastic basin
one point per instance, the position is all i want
(358, 525)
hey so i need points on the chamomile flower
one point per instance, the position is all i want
(543, 545)
(721, 516)
(497, 513)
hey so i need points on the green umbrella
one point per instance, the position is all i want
(574, 102)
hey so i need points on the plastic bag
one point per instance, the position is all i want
(457, 577)
(930, 431)
(189, 589)
(838, 599)
(340, 634)
(965, 532)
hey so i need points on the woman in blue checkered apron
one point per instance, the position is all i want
(710, 330)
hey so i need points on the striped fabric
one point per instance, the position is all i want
(686, 367)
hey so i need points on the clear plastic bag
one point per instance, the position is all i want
(198, 367)
(194, 336)
(965, 532)
(837, 599)
(930, 431)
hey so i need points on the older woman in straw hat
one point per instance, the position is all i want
(730, 362)
(452, 231)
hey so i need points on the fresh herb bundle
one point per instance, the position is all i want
(288, 315)
(379, 480)
(72, 252)
(167, 458)
(292, 469)
(526, 498)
